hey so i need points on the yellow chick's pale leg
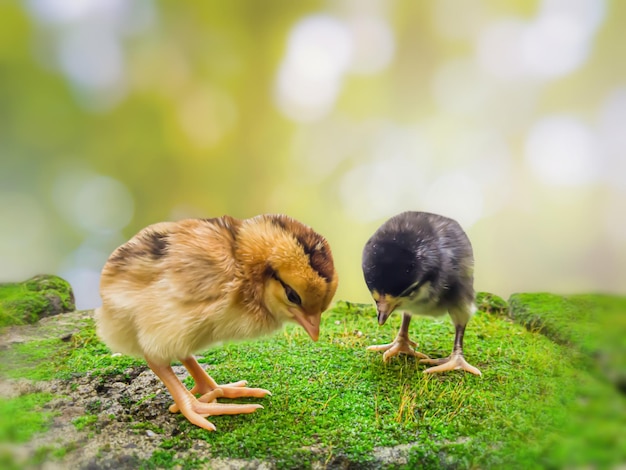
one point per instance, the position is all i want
(205, 385)
(401, 345)
(194, 410)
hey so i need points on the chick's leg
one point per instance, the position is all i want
(401, 345)
(194, 410)
(456, 360)
(205, 385)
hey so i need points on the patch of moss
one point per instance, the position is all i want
(28, 301)
(23, 417)
(491, 303)
(167, 459)
(336, 396)
(56, 359)
(149, 426)
(34, 360)
(84, 421)
(539, 403)
(595, 325)
(73, 359)
(556, 316)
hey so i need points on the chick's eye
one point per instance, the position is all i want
(292, 296)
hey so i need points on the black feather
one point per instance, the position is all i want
(420, 247)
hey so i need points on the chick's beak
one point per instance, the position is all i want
(310, 323)
(385, 307)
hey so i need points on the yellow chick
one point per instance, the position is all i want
(178, 287)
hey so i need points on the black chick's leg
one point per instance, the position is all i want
(456, 360)
(401, 345)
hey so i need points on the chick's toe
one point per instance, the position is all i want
(227, 391)
(455, 361)
(193, 409)
(400, 345)
(211, 390)
(196, 411)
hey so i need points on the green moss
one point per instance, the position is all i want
(539, 403)
(491, 303)
(28, 301)
(8, 462)
(558, 317)
(21, 418)
(84, 421)
(167, 459)
(86, 353)
(31, 360)
(149, 426)
(336, 396)
(53, 358)
(594, 325)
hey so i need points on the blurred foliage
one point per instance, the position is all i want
(139, 141)
(31, 300)
(192, 128)
(593, 324)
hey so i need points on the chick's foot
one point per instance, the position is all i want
(192, 408)
(241, 389)
(205, 386)
(400, 345)
(455, 361)
(196, 411)
(232, 390)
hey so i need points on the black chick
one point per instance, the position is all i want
(422, 264)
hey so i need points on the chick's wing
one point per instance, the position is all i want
(189, 260)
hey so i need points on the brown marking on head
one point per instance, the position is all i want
(226, 222)
(150, 244)
(282, 255)
(156, 244)
(314, 245)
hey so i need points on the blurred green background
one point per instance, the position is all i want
(508, 116)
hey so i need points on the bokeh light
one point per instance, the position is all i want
(91, 58)
(373, 45)
(318, 54)
(507, 116)
(458, 196)
(561, 150)
(206, 116)
(613, 137)
(93, 202)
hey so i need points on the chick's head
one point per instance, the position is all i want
(299, 274)
(395, 273)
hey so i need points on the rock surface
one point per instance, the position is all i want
(124, 421)
(41, 296)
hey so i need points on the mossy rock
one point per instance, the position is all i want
(593, 324)
(491, 303)
(540, 403)
(41, 296)
(564, 319)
